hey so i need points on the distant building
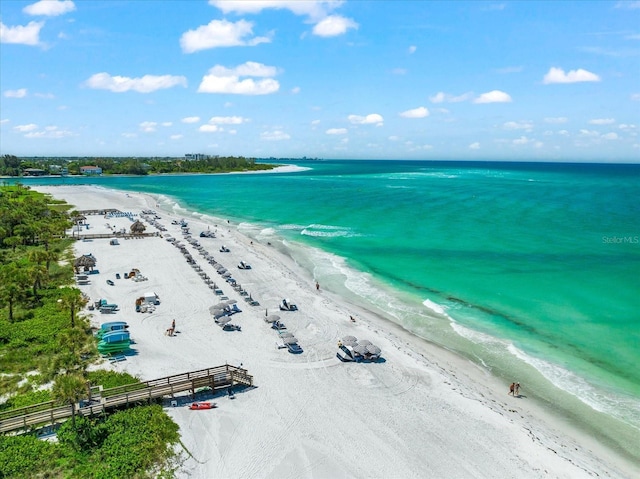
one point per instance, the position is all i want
(196, 156)
(33, 172)
(90, 170)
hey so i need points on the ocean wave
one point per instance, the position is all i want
(626, 409)
(292, 227)
(438, 308)
(478, 337)
(327, 231)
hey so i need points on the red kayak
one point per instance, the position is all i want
(202, 405)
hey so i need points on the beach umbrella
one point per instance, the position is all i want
(286, 334)
(360, 349)
(365, 342)
(349, 339)
(231, 301)
(373, 349)
(272, 318)
(219, 305)
(291, 340)
(226, 274)
(223, 321)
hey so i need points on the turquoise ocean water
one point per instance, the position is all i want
(531, 270)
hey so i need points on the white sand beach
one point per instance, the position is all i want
(421, 412)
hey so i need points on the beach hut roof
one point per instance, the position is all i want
(85, 260)
(138, 227)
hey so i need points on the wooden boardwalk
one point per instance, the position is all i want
(49, 413)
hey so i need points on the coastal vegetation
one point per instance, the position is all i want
(46, 348)
(11, 165)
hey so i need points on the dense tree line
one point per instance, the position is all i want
(46, 347)
(11, 165)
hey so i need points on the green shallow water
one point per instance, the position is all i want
(532, 270)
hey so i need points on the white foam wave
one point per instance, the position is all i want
(438, 308)
(327, 231)
(267, 232)
(477, 337)
(292, 227)
(625, 409)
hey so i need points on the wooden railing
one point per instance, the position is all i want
(50, 413)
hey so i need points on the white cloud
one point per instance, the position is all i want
(523, 140)
(518, 125)
(148, 126)
(556, 120)
(26, 128)
(220, 33)
(209, 128)
(333, 26)
(191, 119)
(20, 93)
(370, 119)
(295, 90)
(557, 75)
(494, 96)
(610, 136)
(336, 131)
(312, 8)
(50, 8)
(602, 121)
(635, 97)
(399, 71)
(3, 121)
(276, 135)
(47, 96)
(49, 132)
(442, 97)
(589, 133)
(474, 146)
(167, 123)
(23, 35)
(221, 79)
(227, 120)
(130, 135)
(145, 84)
(420, 112)
(176, 137)
(412, 49)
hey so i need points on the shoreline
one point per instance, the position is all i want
(446, 400)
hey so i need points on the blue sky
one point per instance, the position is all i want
(330, 79)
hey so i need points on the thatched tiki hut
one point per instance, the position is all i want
(86, 262)
(138, 228)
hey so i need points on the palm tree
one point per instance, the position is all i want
(72, 299)
(70, 388)
(13, 284)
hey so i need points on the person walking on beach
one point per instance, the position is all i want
(512, 389)
(353, 320)
(517, 390)
(317, 286)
